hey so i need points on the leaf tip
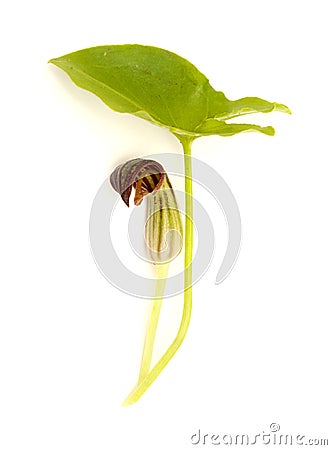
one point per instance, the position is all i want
(53, 61)
(60, 62)
(270, 131)
(282, 108)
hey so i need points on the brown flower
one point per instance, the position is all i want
(163, 228)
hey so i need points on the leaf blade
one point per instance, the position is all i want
(157, 82)
(222, 108)
(161, 87)
(221, 128)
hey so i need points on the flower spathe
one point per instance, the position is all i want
(163, 227)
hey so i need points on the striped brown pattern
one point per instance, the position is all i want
(144, 175)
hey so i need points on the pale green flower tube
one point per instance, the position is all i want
(163, 228)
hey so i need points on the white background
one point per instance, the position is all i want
(258, 349)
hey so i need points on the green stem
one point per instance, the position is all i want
(162, 271)
(187, 302)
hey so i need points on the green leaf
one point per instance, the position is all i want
(221, 128)
(225, 109)
(161, 87)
